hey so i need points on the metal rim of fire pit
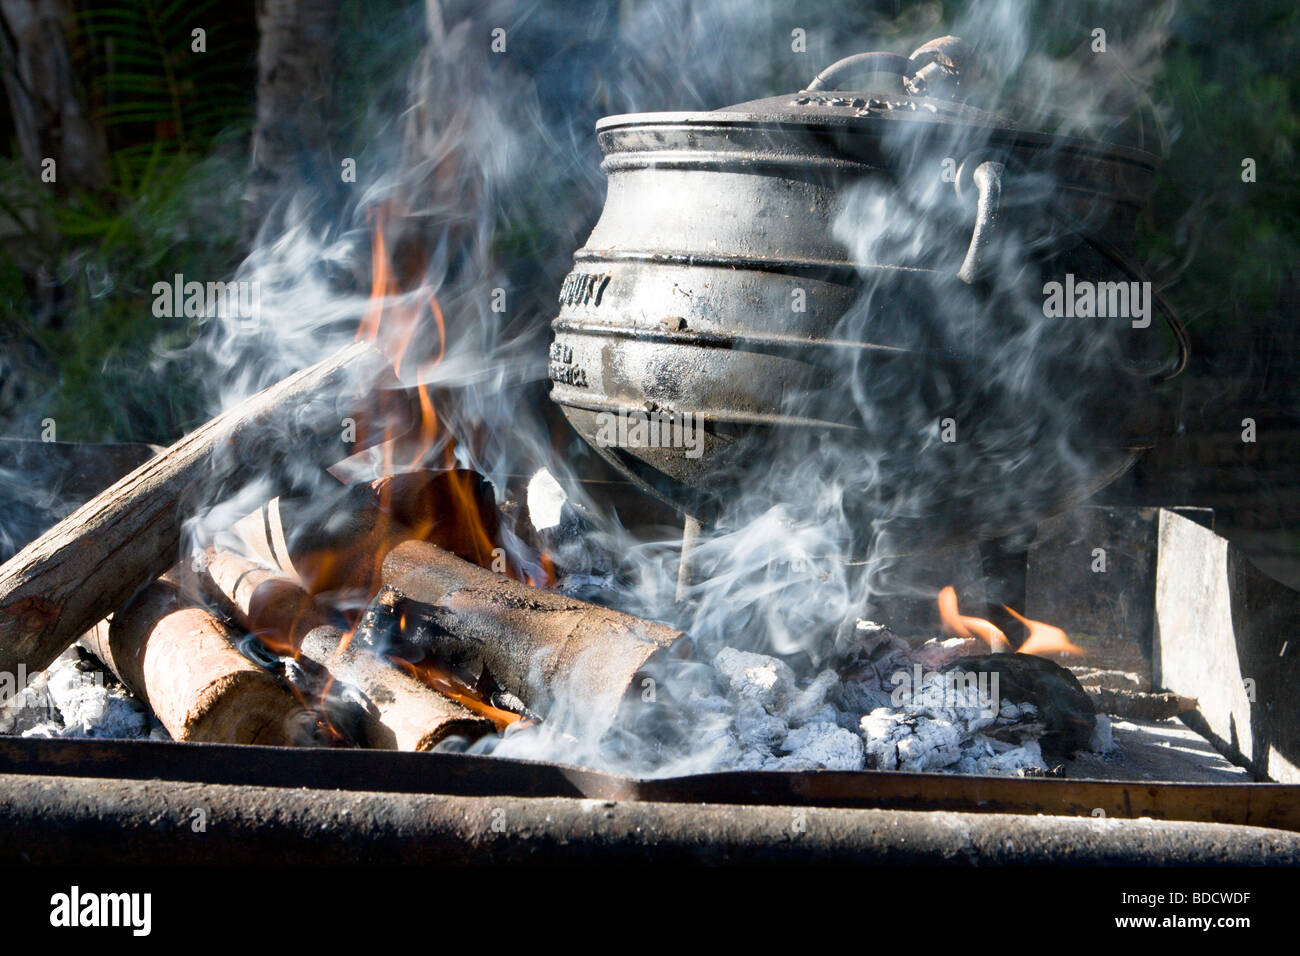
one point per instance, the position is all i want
(1270, 805)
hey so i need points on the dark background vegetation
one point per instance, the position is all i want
(168, 190)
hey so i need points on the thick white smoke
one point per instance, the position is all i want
(491, 180)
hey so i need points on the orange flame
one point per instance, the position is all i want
(1045, 640)
(960, 625)
(392, 320)
(449, 685)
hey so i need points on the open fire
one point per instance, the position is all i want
(413, 614)
(443, 535)
(398, 599)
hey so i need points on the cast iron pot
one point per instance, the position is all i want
(719, 283)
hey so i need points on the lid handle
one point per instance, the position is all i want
(942, 67)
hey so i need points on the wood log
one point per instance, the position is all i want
(1111, 678)
(1139, 705)
(88, 564)
(276, 609)
(187, 666)
(264, 601)
(539, 645)
(408, 715)
(1064, 708)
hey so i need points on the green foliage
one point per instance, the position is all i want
(151, 89)
(1227, 247)
(76, 319)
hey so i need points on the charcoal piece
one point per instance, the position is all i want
(1064, 706)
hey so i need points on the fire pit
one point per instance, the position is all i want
(827, 330)
(1159, 805)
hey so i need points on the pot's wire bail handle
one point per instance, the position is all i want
(987, 178)
(942, 67)
(859, 63)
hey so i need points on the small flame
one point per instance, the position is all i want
(449, 685)
(960, 625)
(548, 569)
(1045, 640)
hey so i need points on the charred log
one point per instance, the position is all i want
(537, 644)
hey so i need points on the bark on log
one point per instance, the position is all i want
(539, 645)
(187, 666)
(408, 714)
(1139, 705)
(264, 601)
(88, 564)
(278, 610)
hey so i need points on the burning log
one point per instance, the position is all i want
(404, 712)
(380, 630)
(343, 546)
(88, 564)
(537, 644)
(1066, 710)
(408, 715)
(186, 665)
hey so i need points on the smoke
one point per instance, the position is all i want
(990, 416)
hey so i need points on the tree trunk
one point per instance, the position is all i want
(50, 117)
(295, 60)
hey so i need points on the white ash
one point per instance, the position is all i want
(756, 678)
(1103, 736)
(810, 704)
(756, 727)
(865, 714)
(820, 745)
(29, 708)
(74, 698)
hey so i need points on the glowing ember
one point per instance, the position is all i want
(449, 685)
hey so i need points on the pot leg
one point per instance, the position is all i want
(686, 569)
(1004, 561)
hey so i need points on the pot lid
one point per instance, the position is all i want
(926, 88)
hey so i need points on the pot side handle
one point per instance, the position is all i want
(987, 178)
